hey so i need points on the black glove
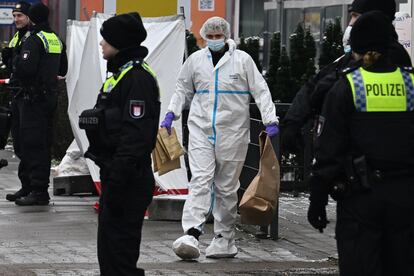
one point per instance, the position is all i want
(319, 192)
(291, 138)
(317, 215)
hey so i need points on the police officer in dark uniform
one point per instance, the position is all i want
(40, 60)
(365, 146)
(122, 131)
(22, 22)
(309, 99)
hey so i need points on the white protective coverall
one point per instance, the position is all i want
(219, 131)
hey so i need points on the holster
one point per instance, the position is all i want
(362, 172)
(356, 178)
(92, 121)
(101, 125)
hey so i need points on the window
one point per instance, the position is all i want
(251, 18)
(312, 18)
(331, 13)
(206, 5)
(400, 2)
(292, 19)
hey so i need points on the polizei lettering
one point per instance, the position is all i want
(385, 89)
(89, 120)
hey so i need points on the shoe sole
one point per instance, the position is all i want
(187, 252)
(221, 256)
(38, 203)
(10, 199)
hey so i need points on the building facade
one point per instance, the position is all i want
(264, 17)
(247, 17)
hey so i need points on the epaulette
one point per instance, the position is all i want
(137, 63)
(408, 69)
(348, 70)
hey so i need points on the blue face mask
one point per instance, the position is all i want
(215, 45)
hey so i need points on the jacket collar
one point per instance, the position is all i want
(41, 27)
(382, 65)
(125, 55)
(23, 31)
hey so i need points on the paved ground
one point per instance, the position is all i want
(60, 239)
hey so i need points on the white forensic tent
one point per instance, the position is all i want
(73, 163)
(404, 24)
(165, 42)
(75, 40)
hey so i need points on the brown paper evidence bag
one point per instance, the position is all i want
(167, 152)
(258, 204)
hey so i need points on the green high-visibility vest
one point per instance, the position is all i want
(13, 41)
(111, 82)
(51, 42)
(382, 92)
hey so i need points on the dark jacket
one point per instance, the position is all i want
(130, 139)
(309, 99)
(384, 138)
(33, 67)
(8, 53)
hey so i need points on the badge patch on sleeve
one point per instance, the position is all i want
(319, 128)
(26, 55)
(136, 109)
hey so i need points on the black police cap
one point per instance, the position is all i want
(124, 30)
(23, 7)
(371, 32)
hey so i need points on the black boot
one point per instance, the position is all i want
(34, 198)
(19, 194)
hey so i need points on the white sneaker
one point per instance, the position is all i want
(221, 247)
(186, 247)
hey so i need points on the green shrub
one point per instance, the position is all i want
(331, 44)
(62, 131)
(251, 45)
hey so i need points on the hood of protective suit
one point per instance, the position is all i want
(232, 45)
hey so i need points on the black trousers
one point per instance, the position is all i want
(375, 230)
(32, 139)
(120, 223)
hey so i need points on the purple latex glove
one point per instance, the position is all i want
(169, 117)
(272, 130)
